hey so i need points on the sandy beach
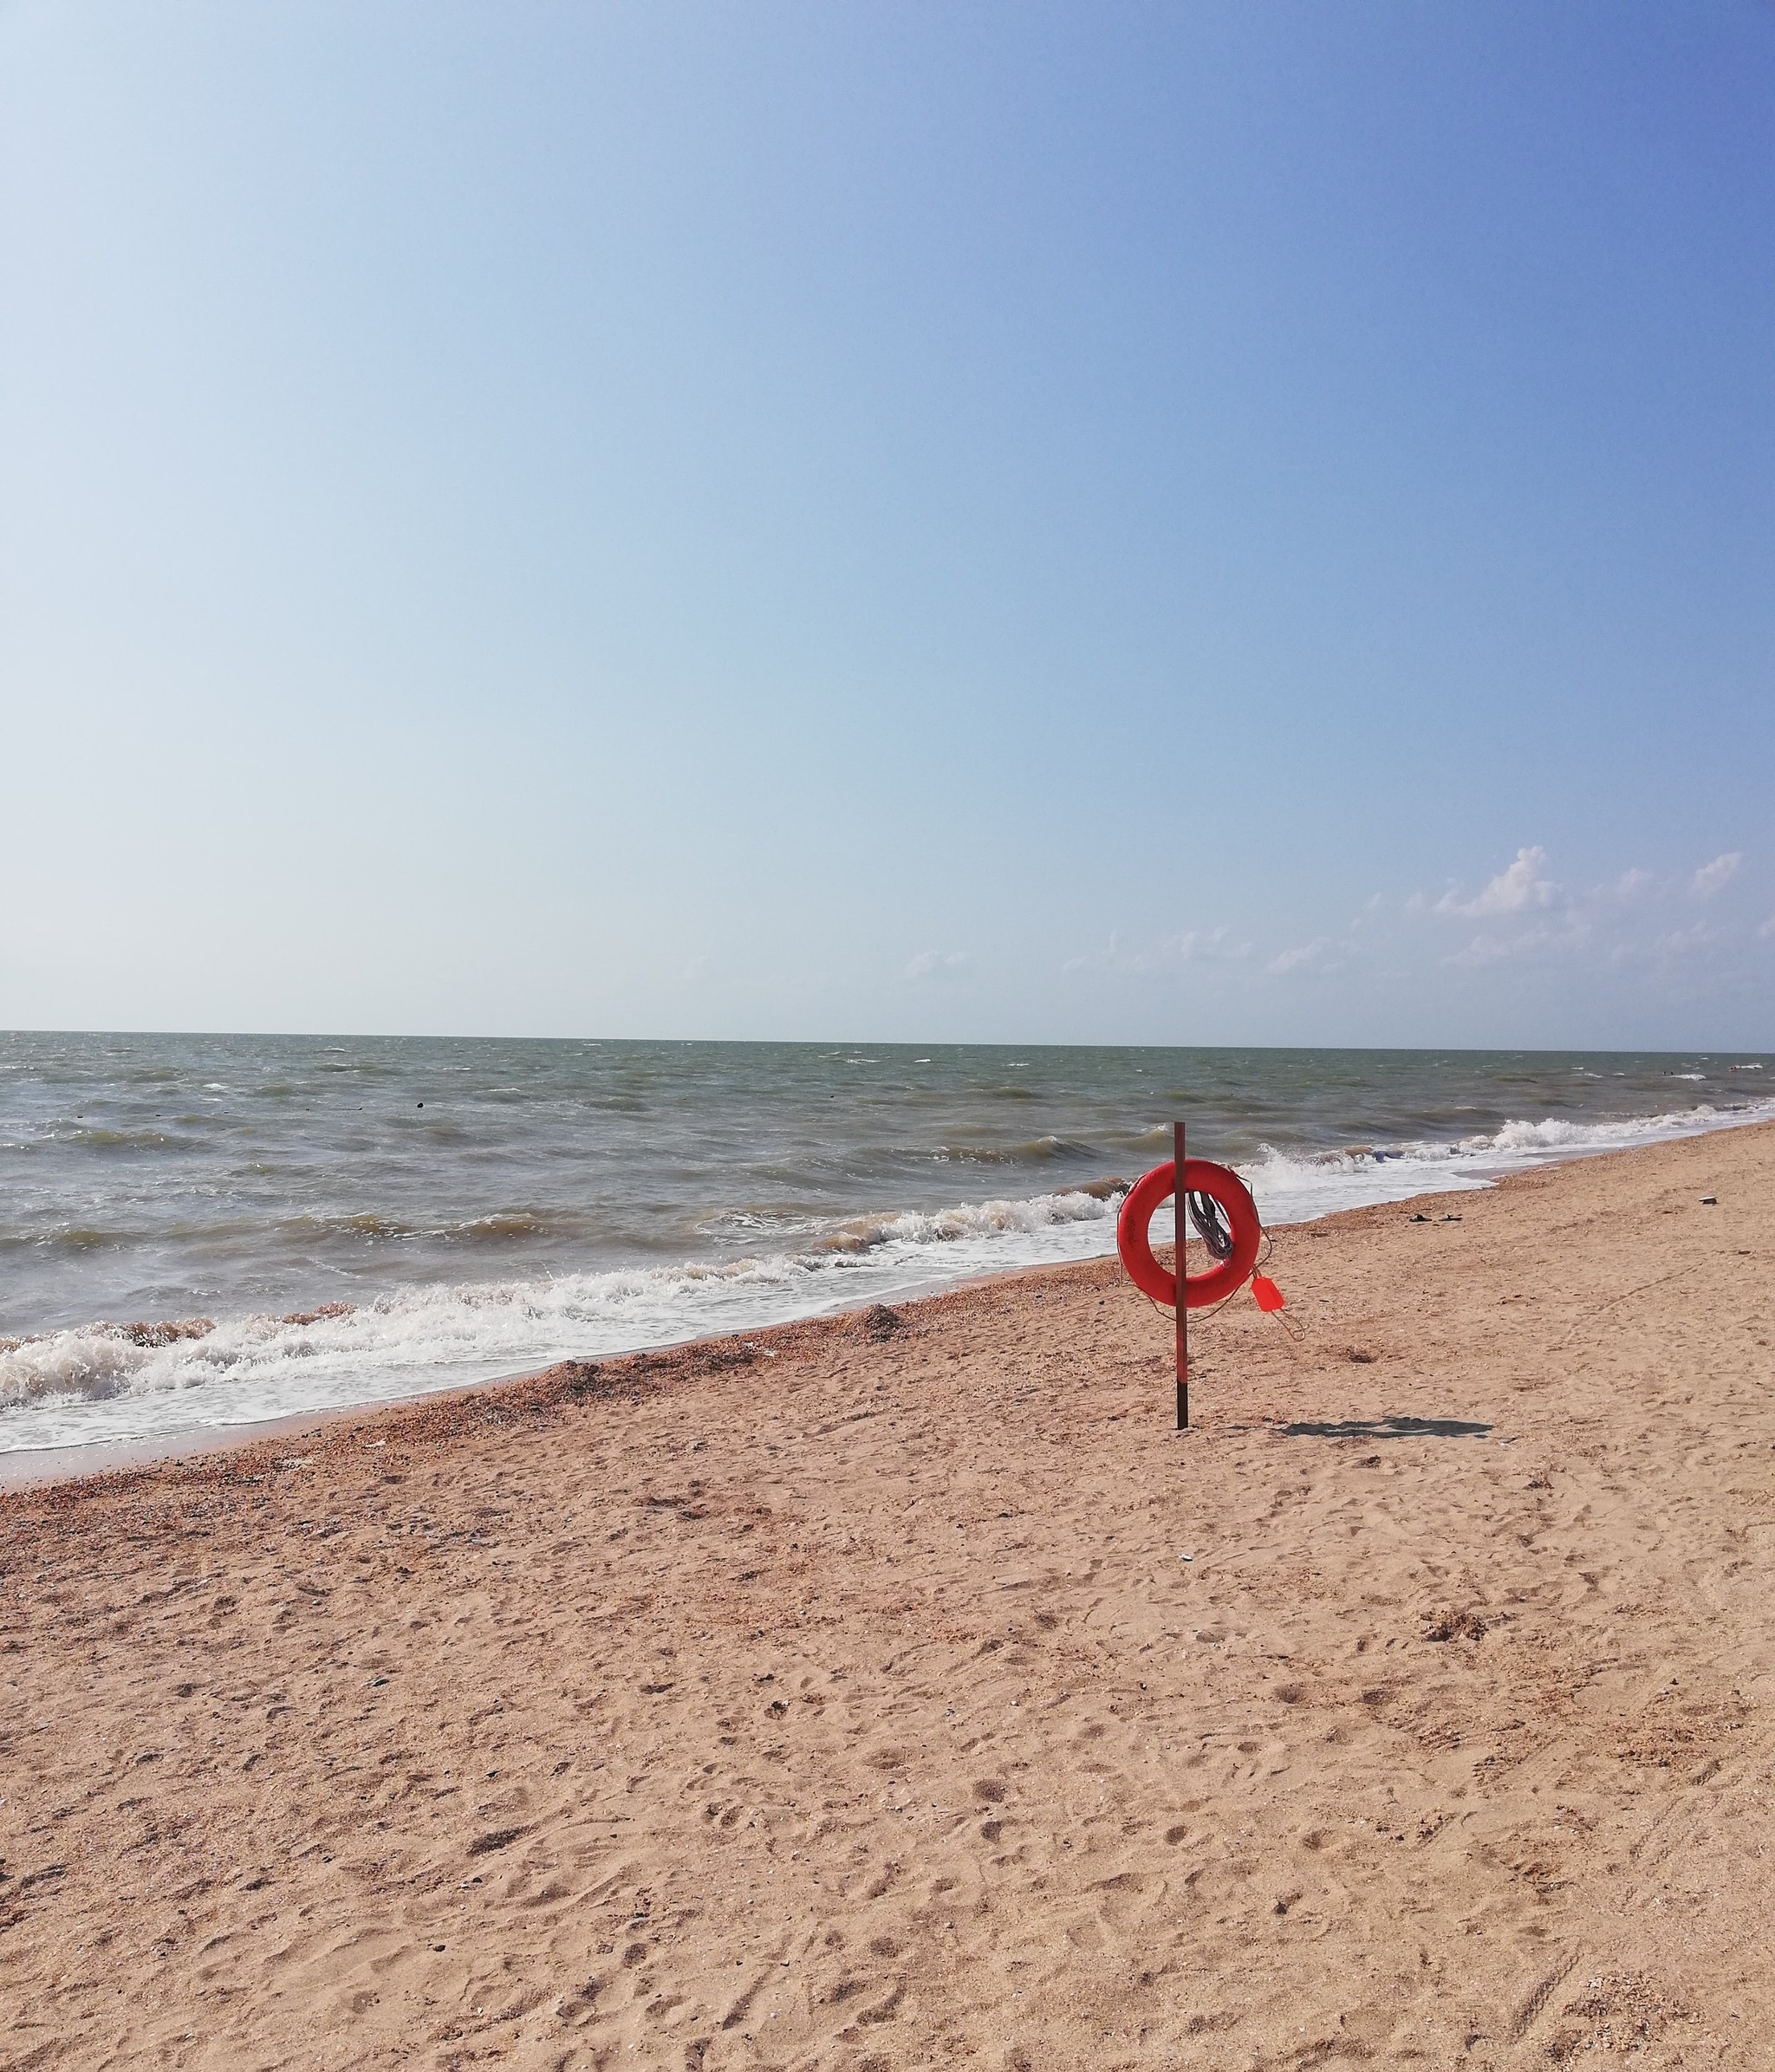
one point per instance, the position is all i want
(900, 1689)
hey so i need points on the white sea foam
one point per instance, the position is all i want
(77, 1387)
(96, 1385)
(1290, 1189)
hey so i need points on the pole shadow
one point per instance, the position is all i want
(1389, 1428)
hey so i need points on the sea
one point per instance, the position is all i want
(202, 1232)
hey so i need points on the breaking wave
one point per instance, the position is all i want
(103, 1382)
(1293, 1188)
(112, 1382)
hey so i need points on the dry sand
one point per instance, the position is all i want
(844, 1697)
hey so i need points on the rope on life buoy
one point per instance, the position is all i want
(1243, 1232)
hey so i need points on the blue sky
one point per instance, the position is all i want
(1185, 523)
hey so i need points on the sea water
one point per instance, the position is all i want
(346, 1220)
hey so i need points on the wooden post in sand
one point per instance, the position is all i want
(1182, 1307)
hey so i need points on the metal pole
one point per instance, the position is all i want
(1182, 1309)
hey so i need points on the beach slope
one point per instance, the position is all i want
(900, 1691)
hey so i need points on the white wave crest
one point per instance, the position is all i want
(86, 1386)
(1292, 1189)
(75, 1387)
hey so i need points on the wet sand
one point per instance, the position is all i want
(900, 1691)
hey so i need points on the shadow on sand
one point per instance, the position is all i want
(1389, 1428)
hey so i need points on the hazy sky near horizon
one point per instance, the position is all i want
(1177, 522)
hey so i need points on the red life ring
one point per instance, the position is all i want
(1227, 1275)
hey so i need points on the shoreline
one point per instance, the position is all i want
(84, 1400)
(28, 1468)
(898, 1688)
(29, 1465)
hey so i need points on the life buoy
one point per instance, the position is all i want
(1131, 1241)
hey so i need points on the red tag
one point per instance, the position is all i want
(1265, 1292)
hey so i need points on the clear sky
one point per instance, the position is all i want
(1202, 523)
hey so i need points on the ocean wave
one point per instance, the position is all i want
(109, 1382)
(1555, 1137)
(127, 1140)
(498, 1226)
(974, 1219)
(1037, 1150)
(67, 1238)
(103, 1382)
(1294, 1187)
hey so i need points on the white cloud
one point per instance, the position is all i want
(1522, 920)
(1112, 958)
(1483, 950)
(1519, 888)
(1545, 939)
(1194, 945)
(1683, 942)
(1306, 956)
(1214, 944)
(1712, 877)
(939, 963)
